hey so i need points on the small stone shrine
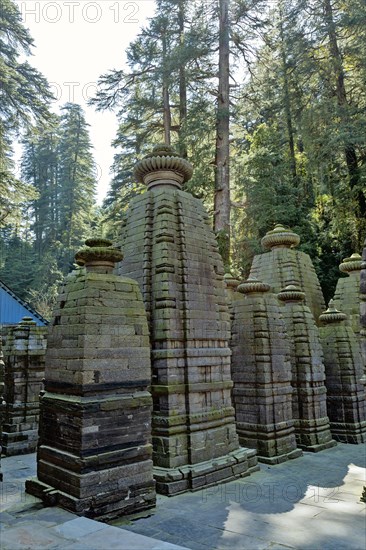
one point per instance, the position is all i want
(344, 372)
(24, 356)
(94, 455)
(283, 266)
(309, 406)
(261, 370)
(172, 252)
(347, 293)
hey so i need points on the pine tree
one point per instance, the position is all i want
(24, 98)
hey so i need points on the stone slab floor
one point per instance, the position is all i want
(309, 503)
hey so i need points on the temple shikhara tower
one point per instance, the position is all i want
(347, 293)
(94, 454)
(172, 253)
(344, 378)
(282, 265)
(261, 370)
(309, 403)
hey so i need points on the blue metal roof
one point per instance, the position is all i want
(13, 308)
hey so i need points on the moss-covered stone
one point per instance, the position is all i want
(261, 371)
(96, 401)
(347, 294)
(309, 406)
(283, 266)
(24, 358)
(344, 378)
(172, 252)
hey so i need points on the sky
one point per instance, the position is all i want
(75, 43)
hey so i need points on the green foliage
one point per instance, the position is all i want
(24, 98)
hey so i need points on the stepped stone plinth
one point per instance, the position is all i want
(261, 371)
(94, 455)
(24, 356)
(309, 407)
(347, 293)
(172, 252)
(283, 266)
(344, 378)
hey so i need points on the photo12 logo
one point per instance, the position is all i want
(71, 12)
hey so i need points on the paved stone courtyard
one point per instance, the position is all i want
(309, 503)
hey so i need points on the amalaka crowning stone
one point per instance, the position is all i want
(344, 372)
(172, 252)
(261, 371)
(94, 455)
(283, 266)
(347, 293)
(309, 406)
(24, 355)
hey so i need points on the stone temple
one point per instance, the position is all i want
(309, 402)
(344, 377)
(347, 293)
(282, 265)
(172, 252)
(94, 454)
(262, 375)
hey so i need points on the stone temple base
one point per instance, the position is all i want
(239, 463)
(354, 433)
(314, 435)
(106, 506)
(18, 443)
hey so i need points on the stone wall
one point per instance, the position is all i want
(24, 357)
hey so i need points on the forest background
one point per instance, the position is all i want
(267, 99)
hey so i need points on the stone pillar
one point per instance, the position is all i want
(24, 354)
(94, 455)
(261, 371)
(172, 252)
(344, 371)
(309, 406)
(283, 266)
(347, 293)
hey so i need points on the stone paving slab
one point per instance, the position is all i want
(311, 503)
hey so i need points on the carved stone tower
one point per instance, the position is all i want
(344, 378)
(347, 294)
(94, 454)
(172, 252)
(309, 405)
(283, 266)
(261, 370)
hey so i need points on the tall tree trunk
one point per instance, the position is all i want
(182, 86)
(167, 117)
(222, 174)
(349, 149)
(287, 100)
